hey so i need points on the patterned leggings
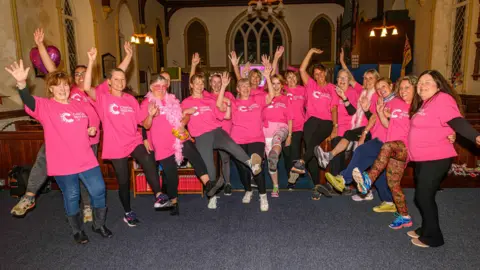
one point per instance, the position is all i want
(393, 157)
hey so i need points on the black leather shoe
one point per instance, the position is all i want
(103, 231)
(81, 238)
(175, 211)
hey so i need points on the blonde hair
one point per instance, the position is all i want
(374, 72)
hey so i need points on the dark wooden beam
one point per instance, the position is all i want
(141, 10)
(223, 3)
(164, 3)
(380, 7)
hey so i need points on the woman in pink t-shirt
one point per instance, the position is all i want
(67, 127)
(321, 117)
(433, 117)
(205, 127)
(170, 141)
(215, 83)
(247, 132)
(120, 114)
(393, 156)
(277, 123)
(292, 153)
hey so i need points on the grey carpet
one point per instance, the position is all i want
(296, 233)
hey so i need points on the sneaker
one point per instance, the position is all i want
(385, 207)
(362, 197)
(131, 219)
(263, 203)
(363, 181)
(290, 187)
(293, 178)
(212, 203)
(272, 161)
(228, 190)
(275, 192)
(316, 195)
(401, 222)
(337, 182)
(419, 243)
(87, 214)
(347, 192)
(323, 189)
(25, 204)
(299, 167)
(162, 201)
(255, 163)
(322, 157)
(218, 184)
(247, 197)
(413, 234)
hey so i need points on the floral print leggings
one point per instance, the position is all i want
(392, 158)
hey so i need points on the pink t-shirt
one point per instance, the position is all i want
(120, 118)
(247, 124)
(399, 123)
(427, 139)
(206, 118)
(297, 106)
(278, 111)
(79, 95)
(344, 120)
(320, 100)
(378, 130)
(67, 144)
(160, 134)
(259, 90)
(226, 123)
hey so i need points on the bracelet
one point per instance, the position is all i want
(335, 125)
(365, 132)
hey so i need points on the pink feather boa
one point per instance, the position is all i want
(173, 113)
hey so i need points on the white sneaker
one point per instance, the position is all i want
(247, 197)
(263, 203)
(212, 203)
(360, 197)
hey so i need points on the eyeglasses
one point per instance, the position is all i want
(158, 86)
(79, 74)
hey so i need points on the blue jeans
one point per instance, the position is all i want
(364, 157)
(70, 186)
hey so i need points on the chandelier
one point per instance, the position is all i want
(271, 7)
(384, 29)
(136, 39)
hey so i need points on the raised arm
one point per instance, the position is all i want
(128, 56)
(38, 36)
(381, 112)
(87, 82)
(235, 60)
(221, 96)
(276, 58)
(195, 62)
(271, 94)
(305, 62)
(20, 74)
(344, 66)
(152, 112)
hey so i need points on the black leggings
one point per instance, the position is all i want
(245, 173)
(170, 168)
(315, 132)
(293, 152)
(428, 177)
(123, 174)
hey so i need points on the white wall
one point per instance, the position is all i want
(297, 17)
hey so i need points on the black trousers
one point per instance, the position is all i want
(245, 174)
(428, 177)
(170, 168)
(292, 152)
(123, 174)
(315, 132)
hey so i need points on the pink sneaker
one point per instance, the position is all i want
(360, 197)
(275, 193)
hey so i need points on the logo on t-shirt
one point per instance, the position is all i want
(78, 97)
(71, 117)
(292, 97)
(201, 110)
(115, 109)
(277, 105)
(318, 94)
(397, 113)
(248, 108)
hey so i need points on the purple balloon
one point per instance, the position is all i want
(53, 53)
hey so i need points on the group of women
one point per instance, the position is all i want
(385, 129)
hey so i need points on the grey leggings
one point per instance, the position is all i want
(38, 175)
(218, 139)
(225, 161)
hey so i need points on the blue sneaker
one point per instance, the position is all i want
(401, 222)
(364, 183)
(162, 201)
(131, 219)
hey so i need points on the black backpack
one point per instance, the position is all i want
(18, 181)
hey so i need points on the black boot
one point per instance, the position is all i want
(76, 223)
(175, 210)
(99, 217)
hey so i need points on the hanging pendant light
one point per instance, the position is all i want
(372, 33)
